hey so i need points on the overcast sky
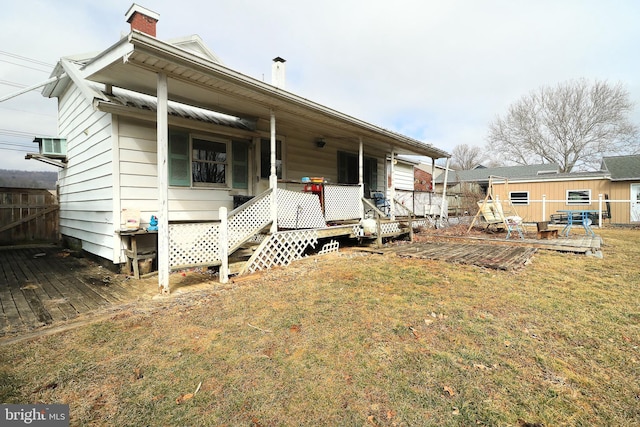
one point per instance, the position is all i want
(438, 71)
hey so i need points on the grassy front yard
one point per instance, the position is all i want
(364, 340)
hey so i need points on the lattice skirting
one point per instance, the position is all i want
(390, 228)
(424, 223)
(280, 249)
(194, 244)
(327, 248)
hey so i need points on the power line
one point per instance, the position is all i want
(24, 58)
(14, 132)
(11, 149)
(3, 143)
(24, 66)
(8, 83)
(28, 112)
(17, 133)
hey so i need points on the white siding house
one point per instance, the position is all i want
(184, 150)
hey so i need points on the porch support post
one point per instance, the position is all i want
(273, 177)
(391, 186)
(444, 190)
(361, 166)
(163, 179)
(224, 245)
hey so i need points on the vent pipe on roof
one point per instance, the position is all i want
(277, 72)
(142, 19)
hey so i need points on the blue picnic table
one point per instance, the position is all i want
(578, 216)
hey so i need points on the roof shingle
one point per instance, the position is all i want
(622, 168)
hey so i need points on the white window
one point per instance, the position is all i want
(578, 197)
(198, 161)
(208, 162)
(519, 197)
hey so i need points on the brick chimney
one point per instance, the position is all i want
(278, 72)
(142, 19)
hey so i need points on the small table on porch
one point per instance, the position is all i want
(581, 215)
(133, 254)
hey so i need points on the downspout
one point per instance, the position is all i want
(444, 191)
(163, 190)
(273, 177)
(118, 255)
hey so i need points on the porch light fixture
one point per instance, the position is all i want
(320, 142)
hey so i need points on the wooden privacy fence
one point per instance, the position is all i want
(28, 215)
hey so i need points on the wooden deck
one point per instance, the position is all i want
(43, 285)
(499, 257)
(489, 252)
(573, 243)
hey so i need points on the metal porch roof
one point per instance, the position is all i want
(133, 63)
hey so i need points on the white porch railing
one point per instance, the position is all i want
(198, 244)
(421, 203)
(342, 202)
(297, 210)
(248, 219)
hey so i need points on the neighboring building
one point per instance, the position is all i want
(478, 177)
(625, 185)
(165, 129)
(422, 180)
(538, 191)
(465, 187)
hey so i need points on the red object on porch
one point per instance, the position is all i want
(313, 188)
(317, 189)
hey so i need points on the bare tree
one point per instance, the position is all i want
(465, 157)
(573, 124)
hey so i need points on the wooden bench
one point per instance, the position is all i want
(544, 232)
(134, 254)
(547, 234)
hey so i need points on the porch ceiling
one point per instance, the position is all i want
(133, 63)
